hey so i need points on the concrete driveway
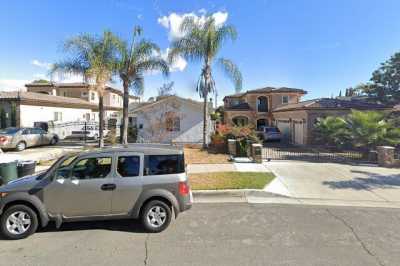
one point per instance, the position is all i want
(362, 185)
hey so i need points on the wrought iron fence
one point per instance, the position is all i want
(316, 153)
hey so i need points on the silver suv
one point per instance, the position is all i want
(143, 182)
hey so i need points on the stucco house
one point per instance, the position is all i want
(296, 121)
(255, 107)
(169, 119)
(58, 104)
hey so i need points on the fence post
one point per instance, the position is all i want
(256, 149)
(386, 156)
(232, 147)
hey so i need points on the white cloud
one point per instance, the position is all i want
(40, 64)
(173, 21)
(12, 84)
(178, 65)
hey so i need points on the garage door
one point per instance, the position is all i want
(298, 133)
(284, 128)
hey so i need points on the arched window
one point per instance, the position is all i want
(262, 104)
(261, 123)
(240, 121)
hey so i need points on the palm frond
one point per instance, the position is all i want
(232, 71)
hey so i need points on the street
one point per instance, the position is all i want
(223, 234)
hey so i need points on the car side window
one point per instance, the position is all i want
(26, 131)
(128, 166)
(92, 168)
(165, 164)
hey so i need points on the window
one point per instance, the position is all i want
(91, 168)
(132, 121)
(285, 99)
(261, 123)
(128, 166)
(37, 131)
(240, 121)
(164, 164)
(140, 126)
(57, 116)
(173, 124)
(262, 104)
(92, 96)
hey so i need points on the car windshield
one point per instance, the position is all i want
(9, 130)
(65, 162)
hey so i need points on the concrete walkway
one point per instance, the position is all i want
(338, 184)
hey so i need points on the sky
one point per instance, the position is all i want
(321, 46)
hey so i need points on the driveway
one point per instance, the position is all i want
(332, 181)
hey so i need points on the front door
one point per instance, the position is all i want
(31, 137)
(86, 191)
(128, 178)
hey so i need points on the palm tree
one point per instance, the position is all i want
(137, 58)
(201, 42)
(332, 131)
(95, 58)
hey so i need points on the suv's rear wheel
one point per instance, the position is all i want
(18, 222)
(156, 216)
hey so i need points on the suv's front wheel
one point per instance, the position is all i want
(18, 222)
(156, 216)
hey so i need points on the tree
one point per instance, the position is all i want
(94, 57)
(202, 41)
(166, 89)
(332, 131)
(370, 129)
(43, 81)
(137, 58)
(385, 81)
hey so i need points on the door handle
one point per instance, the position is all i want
(108, 187)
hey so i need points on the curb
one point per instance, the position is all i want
(231, 195)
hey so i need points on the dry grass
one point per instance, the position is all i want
(199, 156)
(230, 180)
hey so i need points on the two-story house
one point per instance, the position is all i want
(59, 104)
(255, 107)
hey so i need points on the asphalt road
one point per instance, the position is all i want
(223, 234)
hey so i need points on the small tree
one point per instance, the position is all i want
(332, 131)
(166, 89)
(370, 129)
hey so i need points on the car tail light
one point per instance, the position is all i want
(4, 139)
(183, 188)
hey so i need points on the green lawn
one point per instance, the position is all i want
(230, 180)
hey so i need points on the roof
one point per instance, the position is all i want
(146, 149)
(76, 85)
(141, 106)
(329, 103)
(34, 98)
(268, 90)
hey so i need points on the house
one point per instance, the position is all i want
(255, 107)
(58, 104)
(169, 119)
(296, 121)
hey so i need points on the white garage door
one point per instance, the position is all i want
(298, 133)
(284, 128)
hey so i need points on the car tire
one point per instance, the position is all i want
(25, 218)
(21, 146)
(156, 216)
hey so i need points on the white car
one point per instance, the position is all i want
(271, 134)
(91, 132)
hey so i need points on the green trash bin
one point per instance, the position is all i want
(8, 172)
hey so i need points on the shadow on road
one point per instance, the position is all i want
(129, 226)
(372, 181)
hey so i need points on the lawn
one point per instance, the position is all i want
(230, 180)
(197, 156)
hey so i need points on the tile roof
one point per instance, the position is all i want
(268, 90)
(139, 106)
(49, 99)
(329, 103)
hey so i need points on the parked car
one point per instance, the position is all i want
(271, 134)
(143, 182)
(91, 132)
(22, 138)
